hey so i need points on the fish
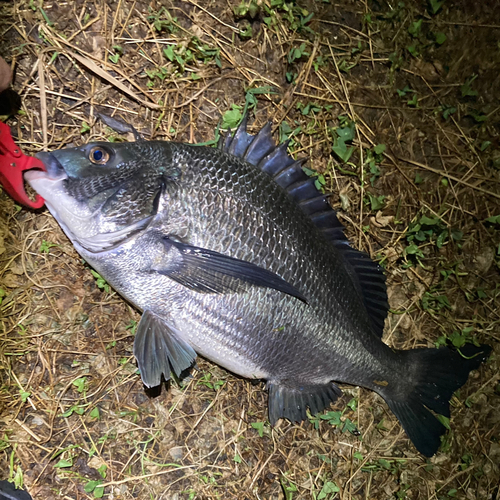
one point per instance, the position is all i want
(8, 491)
(231, 253)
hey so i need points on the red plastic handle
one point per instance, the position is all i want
(12, 165)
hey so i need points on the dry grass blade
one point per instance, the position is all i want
(89, 64)
(452, 177)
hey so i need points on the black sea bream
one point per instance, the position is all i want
(232, 254)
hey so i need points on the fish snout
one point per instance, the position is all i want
(52, 164)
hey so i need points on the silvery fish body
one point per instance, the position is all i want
(232, 254)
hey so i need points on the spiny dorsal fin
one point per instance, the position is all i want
(261, 150)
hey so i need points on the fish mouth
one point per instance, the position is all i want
(54, 174)
(54, 168)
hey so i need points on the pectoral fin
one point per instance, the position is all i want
(206, 271)
(159, 350)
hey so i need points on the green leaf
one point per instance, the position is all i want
(100, 281)
(379, 149)
(246, 33)
(413, 249)
(348, 132)
(403, 92)
(384, 463)
(297, 52)
(341, 149)
(429, 221)
(441, 341)
(440, 38)
(114, 58)
(169, 53)
(285, 131)
(99, 492)
(68, 413)
(328, 488)
(353, 404)
(484, 145)
(102, 470)
(376, 202)
(413, 102)
(495, 219)
(46, 246)
(415, 28)
(435, 5)
(79, 383)
(333, 417)
(458, 340)
(466, 88)
(375, 171)
(63, 463)
(350, 426)
(444, 420)
(448, 110)
(288, 489)
(85, 128)
(412, 49)
(441, 239)
(95, 413)
(237, 459)
(232, 117)
(259, 427)
(132, 326)
(91, 486)
(24, 395)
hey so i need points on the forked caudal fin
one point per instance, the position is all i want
(439, 373)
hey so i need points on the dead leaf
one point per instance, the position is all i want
(16, 268)
(381, 220)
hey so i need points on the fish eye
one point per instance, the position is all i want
(98, 155)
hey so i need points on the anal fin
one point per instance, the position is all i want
(159, 350)
(292, 402)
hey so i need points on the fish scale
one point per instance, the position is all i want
(232, 253)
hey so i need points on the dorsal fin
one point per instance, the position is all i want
(261, 150)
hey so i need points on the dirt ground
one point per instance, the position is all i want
(396, 105)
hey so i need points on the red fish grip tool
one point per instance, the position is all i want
(12, 165)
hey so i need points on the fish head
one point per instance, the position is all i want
(101, 193)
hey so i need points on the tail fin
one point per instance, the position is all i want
(438, 374)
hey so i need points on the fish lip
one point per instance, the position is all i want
(54, 168)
